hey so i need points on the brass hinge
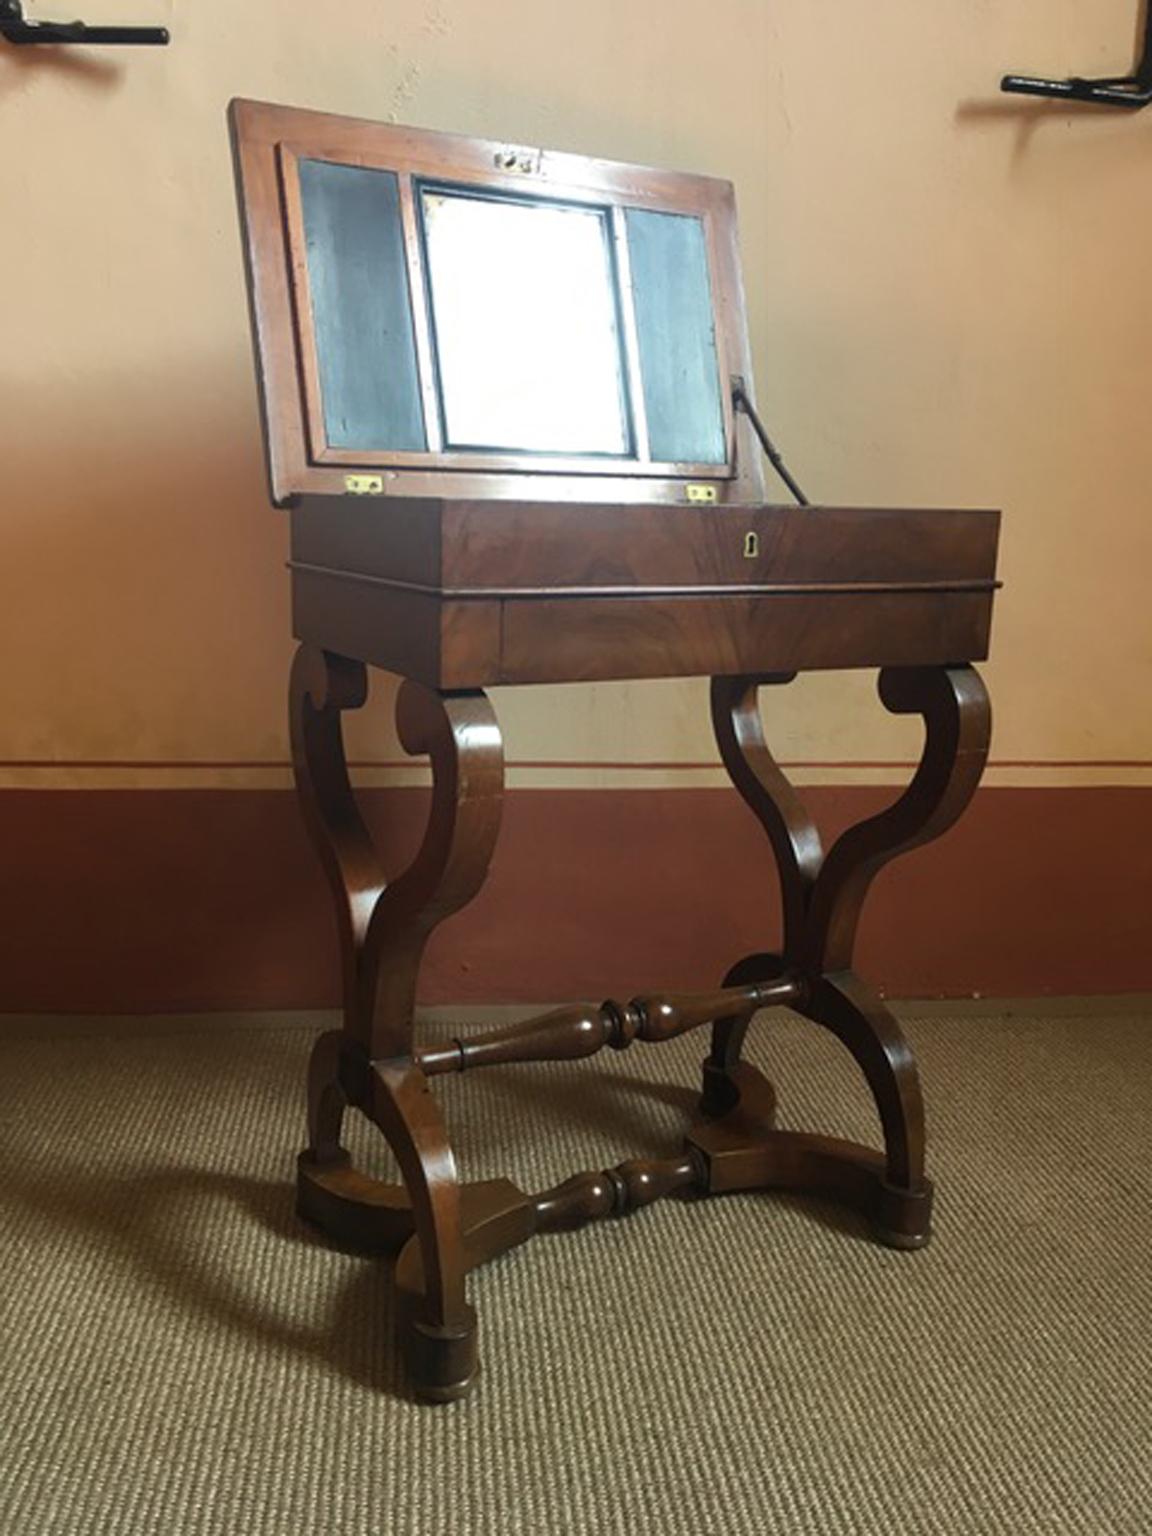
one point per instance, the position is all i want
(364, 485)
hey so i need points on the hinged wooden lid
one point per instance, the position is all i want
(437, 315)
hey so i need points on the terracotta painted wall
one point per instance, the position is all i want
(950, 304)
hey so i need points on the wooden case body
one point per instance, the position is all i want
(467, 593)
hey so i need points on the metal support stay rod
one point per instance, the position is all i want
(743, 403)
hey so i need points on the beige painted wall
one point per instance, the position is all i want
(950, 300)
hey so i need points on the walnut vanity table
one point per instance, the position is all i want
(501, 391)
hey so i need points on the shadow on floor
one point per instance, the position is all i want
(152, 1223)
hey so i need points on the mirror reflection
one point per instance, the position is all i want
(524, 309)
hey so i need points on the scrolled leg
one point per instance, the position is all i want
(322, 688)
(957, 728)
(460, 734)
(822, 897)
(795, 841)
(384, 928)
(766, 790)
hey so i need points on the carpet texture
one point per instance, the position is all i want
(179, 1355)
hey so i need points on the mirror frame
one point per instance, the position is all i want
(618, 409)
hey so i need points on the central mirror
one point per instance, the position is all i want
(524, 311)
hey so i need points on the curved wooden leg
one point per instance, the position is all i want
(384, 928)
(900, 1203)
(957, 728)
(822, 898)
(438, 1326)
(765, 788)
(769, 794)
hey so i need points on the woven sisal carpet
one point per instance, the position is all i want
(178, 1355)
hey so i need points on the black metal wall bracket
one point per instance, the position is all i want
(1131, 91)
(17, 30)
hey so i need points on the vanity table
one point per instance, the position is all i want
(502, 394)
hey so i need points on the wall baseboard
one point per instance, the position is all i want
(204, 900)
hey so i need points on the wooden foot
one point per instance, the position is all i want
(742, 1150)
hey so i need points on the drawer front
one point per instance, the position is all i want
(598, 639)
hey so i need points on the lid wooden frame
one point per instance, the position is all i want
(269, 142)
